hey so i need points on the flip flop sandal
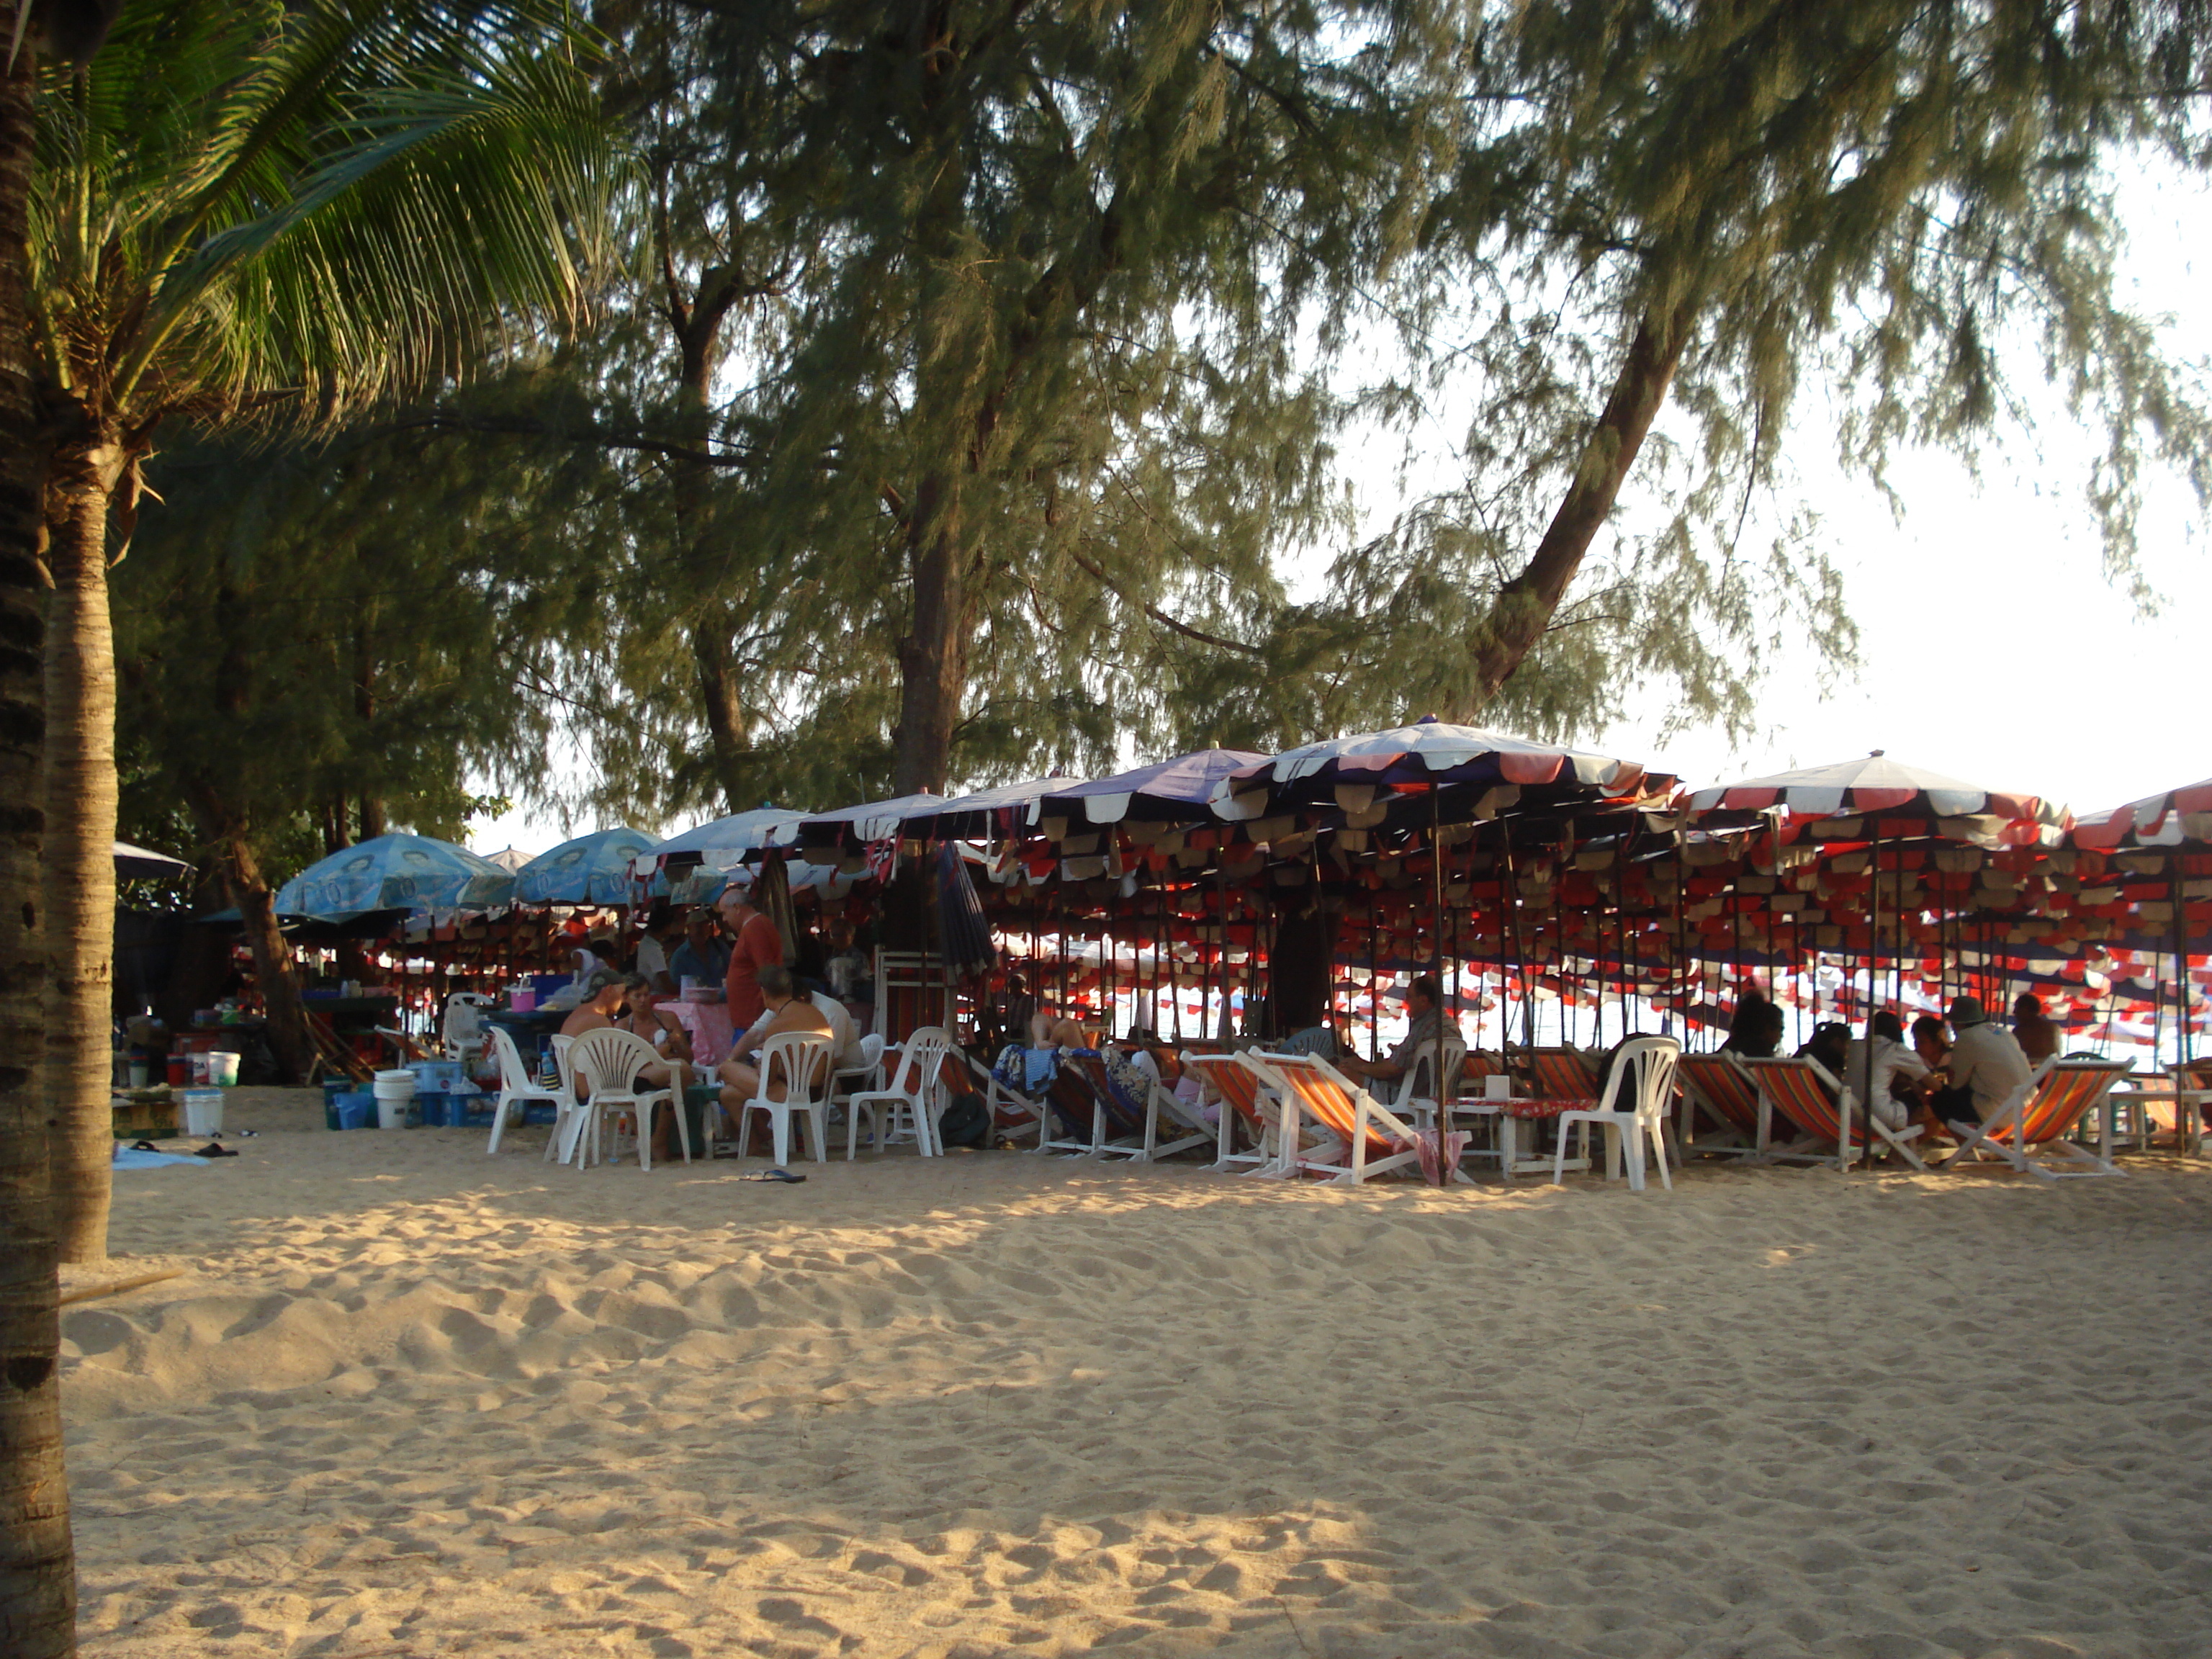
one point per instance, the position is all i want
(144, 1147)
(774, 1175)
(213, 1149)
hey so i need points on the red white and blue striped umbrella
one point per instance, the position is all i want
(2177, 817)
(1354, 774)
(1875, 783)
(1169, 790)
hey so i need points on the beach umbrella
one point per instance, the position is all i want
(1864, 799)
(1358, 773)
(1876, 784)
(594, 869)
(413, 872)
(509, 859)
(870, 821)
(1169, 791)
(740, 833)
(141, 864)
(2178, 817)
(983, 816)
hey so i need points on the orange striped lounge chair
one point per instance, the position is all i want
(1243, 1095)
(1364, 1137)
(1561, 1080)
(1804, 1095)
(2029, 1131)
(1719, 1086)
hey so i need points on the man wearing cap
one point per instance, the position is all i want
(1985, 1061)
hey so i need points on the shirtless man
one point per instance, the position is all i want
(787, 1012)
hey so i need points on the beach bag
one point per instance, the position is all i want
(966, 1122)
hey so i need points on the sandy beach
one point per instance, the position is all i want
(408, 1401)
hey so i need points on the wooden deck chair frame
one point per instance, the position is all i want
(1794, 1088)
(1158, 1102)
(2029, 1131)
(1719, 1084)
(1243, 1095)
(1311, 1087)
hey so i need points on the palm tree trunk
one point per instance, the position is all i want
(38, 1570)
(80, 847)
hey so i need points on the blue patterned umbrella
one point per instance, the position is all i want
(594, 869)
(389, 872)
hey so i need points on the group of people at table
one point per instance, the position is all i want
(737, 946)
(1950, 1075)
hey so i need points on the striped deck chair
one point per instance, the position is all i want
(1805, 1094)
(1136, 1124)
(1718, 1085)
(1014, 1113)
(1561, 1080)
(1366, 1139)
(2029, 1130)
(1243, 1096)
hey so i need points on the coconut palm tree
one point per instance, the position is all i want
(261, 212)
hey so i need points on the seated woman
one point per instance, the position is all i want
(788, 1010)
(603, 994)
(644, 1015)
(1050, 1030)
(1898, 1073)
(1755, 1031)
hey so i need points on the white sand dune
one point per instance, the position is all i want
(411, 1400)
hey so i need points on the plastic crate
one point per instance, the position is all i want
(354, 1109)
(535, 1112)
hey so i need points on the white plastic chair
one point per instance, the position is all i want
(463, 1032)
(911, 1103)
(516, 1088)
(802, 1059)
(868, 1069)
(1643, 1071)
(607, 1060)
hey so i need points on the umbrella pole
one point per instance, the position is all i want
(1874, 970)
(1437, 973)
(2176, 894)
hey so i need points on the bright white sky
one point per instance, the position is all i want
(1993, 648)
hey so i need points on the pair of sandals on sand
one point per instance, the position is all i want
(215, 1148)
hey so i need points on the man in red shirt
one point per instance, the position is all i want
(753, 944)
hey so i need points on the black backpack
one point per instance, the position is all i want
(966, 1122)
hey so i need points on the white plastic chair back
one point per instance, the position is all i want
(609, 1058)
(513, 1076)
(465, 1020)
(1642, 1079)
(802, 1059)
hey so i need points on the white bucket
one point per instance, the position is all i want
(395, 1091)
(222, 1070)
(203, 1111)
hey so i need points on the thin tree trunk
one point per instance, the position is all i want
(719, 702)
(1525, 604)
(37, 1570)
(79, 847)
(247, 887)
(372, 817)
(933, 655)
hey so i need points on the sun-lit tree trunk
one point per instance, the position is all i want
(1525, 605)
(37, 1570)
(247, 887)
(80, 838)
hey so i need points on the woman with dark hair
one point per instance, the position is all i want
(1755, 1028)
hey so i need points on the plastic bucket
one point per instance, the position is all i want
(354, 1111)
(395, 1094)
(522, 1001)
(222, 1070)
(203, 1111)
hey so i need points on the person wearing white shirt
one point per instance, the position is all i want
(1891, 1060)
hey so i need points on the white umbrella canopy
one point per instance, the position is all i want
(510, 859)
(741, 832)
(138, 863)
